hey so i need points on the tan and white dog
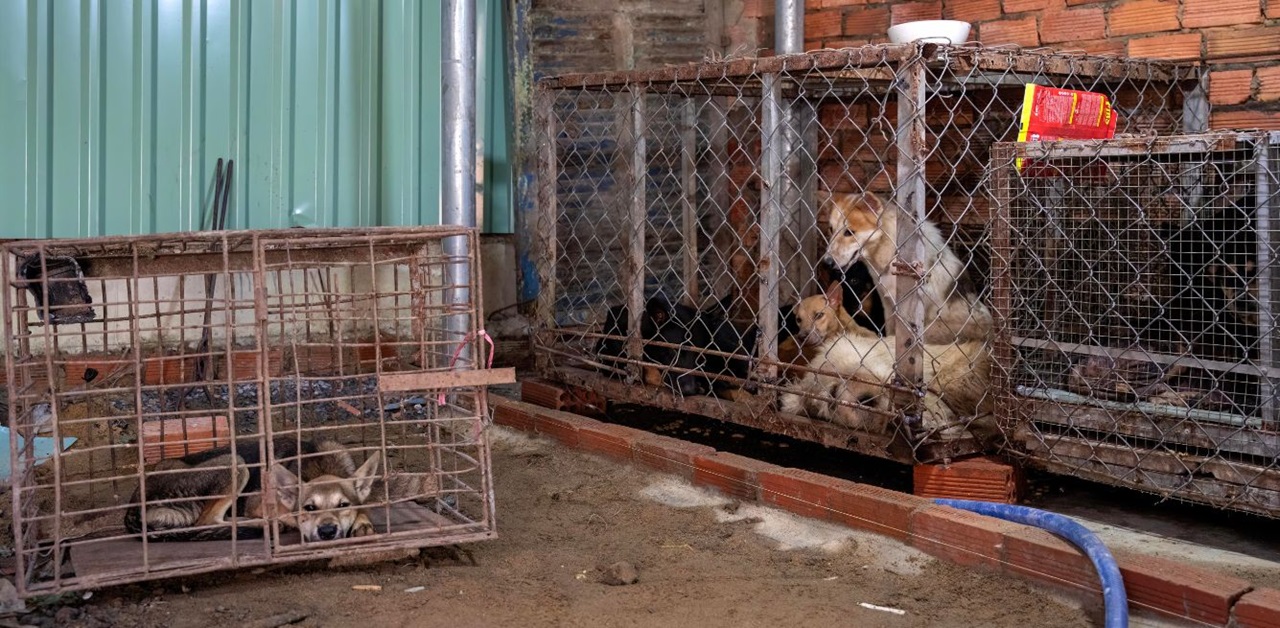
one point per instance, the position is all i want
(858, 366)
(862, 229)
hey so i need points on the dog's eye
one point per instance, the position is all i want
(819, 316)
(344, 505)
(848, 233)
(309, 507)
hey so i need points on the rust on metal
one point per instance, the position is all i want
(436, 380)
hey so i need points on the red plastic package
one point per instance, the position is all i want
(1051, 113)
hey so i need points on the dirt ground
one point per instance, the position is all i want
(563, 519)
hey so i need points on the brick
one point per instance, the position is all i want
(1039, 555)
(1140, 17)
(959, 536)
(1264, 120)
(1179, 589)
(1074, 25)
(1100, 46)
(797, 491)
(874, 509)
(1022, 32)
(731, 474)
(825, 4)
(1273, 9)
(542, 393)
(1269, 83)
(669, 455)
(836, 44)
(1021, 6)
(904, 12)
(514, 417)
(813, 44)
(1205, 13)
(1171, 47)
(824, 24)
(1257, 609)
(1230, 87)
(561, 426)
(971, 10)
(1249, 42)
(982, 479)
(614, 441)
(1075, 3)
(866, 21)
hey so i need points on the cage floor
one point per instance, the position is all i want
(117, 556)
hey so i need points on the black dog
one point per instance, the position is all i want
(861, 299)
(692, 332)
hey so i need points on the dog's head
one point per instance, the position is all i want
(818, 318)
(326, 507)
(854, 222)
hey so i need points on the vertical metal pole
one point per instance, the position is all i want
(771, 175)
(718, 175)
(1266, 314)
(909, 197)
(458, 202)
(547, 222)
(806, 209)
(634, 155)
(789, 26)
(1195, 107)
(689, 198)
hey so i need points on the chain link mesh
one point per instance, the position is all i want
(798, 243)
(1136, 278)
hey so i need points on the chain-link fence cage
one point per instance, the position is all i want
(1134, 285)
(797, 243)
(185, 403)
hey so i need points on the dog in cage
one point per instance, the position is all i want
(319, 493)
(862, 230)
(682, 361)
(858, 367)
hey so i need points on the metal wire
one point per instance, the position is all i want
(316, 335)
(686, 211)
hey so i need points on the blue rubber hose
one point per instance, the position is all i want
(1113, 594)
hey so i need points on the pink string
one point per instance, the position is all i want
(452, 363)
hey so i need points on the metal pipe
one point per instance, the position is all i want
(789, 19)
(458, 197)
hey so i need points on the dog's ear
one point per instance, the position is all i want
(286, 487)
(835, 296)
(873, 202)
(362, 482)
(658, 310)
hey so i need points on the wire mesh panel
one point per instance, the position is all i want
(796, 243)
(1135, 289)
(187, 403)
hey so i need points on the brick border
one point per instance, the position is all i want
(1165, 586)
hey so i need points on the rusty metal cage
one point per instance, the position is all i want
(312, 352)
(687, 235)
(1134, 285)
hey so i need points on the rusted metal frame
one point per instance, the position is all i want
(633, 160)
(51, 348)
(689, 198)
(1155, 358)
(792, 266)
(1167, 427)
(17, 475)
(439, 380)
(772, 147)
(1055, 64)
(1266, 277)
(1002, 160)
(135, 337)
(266, 427)
(909, 205)
(871, 55)
(1121, 147)
(545, 242)
(718, 184)
(808, 175)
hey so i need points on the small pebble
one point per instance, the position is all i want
(620, 573)
(415, 589)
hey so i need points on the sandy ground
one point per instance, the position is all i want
(563, 519)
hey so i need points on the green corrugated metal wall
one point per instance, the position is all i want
(112, 113)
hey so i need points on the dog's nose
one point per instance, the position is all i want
(327, 532)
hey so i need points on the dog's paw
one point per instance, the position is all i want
(362, 527)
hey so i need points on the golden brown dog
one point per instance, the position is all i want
(864, 227)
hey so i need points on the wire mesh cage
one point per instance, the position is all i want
(796, 243)
(187, 403)
(1134, 289)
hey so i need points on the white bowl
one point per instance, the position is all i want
(952, 32)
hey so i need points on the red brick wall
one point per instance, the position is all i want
(1238, 40)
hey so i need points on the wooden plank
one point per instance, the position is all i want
(1160, 461)
(436, 380)
(769, 420)
(1170, 430)
(1203, 490)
